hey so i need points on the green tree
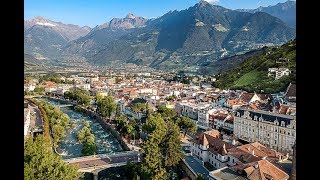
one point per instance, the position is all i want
(117, 113)
(186, 124)
(166, 113)
(162, 150)
(138, 107)
(171, 145)
(118, 80)
(99, 98)
(39, 90)
(42, 163)
(107, 106)
(152, 122)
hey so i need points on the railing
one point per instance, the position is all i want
(125, 153)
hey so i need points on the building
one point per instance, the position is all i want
(203, 117)
(261, 169)
(190, 110)
(277, 73)
(277, 131)
(293, 172)
(209, 147)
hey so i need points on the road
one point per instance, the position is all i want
(36, 118)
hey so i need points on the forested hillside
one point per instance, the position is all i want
(252, 74)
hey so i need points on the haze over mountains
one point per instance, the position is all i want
(285, 11)
(44, 38)
(199, 35)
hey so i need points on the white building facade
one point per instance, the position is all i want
(276, 131)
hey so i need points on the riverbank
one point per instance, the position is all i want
(102, 121)
(107, 126)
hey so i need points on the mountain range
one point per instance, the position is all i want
(199, 35)
(285, 11)
(44, 38)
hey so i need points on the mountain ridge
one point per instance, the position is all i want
(285, 11)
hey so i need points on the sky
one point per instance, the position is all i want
(96, 12)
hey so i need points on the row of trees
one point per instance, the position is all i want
(86, 138)
(58, 121)
(40, 162)
(81, 96)
(46, 126)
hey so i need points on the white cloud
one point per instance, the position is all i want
(212, 1)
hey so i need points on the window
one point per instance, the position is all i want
(252, 130)
(232, 160)
(275, 141)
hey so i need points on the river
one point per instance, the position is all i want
(69, 146)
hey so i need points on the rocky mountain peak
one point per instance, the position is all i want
(130, 16)
(202, 3)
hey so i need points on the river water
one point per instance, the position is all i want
(69, 146)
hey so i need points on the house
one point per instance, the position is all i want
(209, 147)
(233, 103)
(277, 73)
(249, 97)
(262, 169)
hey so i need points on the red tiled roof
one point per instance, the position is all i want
(261, 151)
(261, 169)
(246, 97)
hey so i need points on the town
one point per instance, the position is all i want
(237, 134)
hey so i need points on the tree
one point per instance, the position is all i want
(162, 149)
(171, 145)
(138, 107)
(166, 113)
(106, 106)
(99, 98)
(120, 121)
(118, 112)
(39, 90)
(186, 125)
(152, 161)
(42, 163)
(152, 122)
(118, 80)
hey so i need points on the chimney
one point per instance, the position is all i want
(252, 152)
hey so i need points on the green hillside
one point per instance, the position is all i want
(252, 74)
